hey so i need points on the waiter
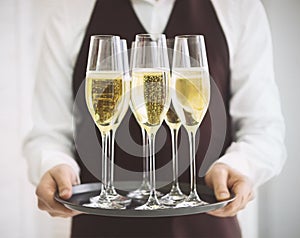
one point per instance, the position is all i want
(240, 60)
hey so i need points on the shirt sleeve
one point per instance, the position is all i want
(258, 149)
(51, 140)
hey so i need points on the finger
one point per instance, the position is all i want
(43, 206)
(63, 215)
(219, 183)
(55, 214)
(45, 193)
(251, 196)
(243, 192)
(64, 182)
(230, 210)
(49, 204)
(54, 210)
(243, 195)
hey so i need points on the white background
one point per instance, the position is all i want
(21, 25)
(279, 199)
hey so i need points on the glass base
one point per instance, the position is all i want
(174, 197)
(191, 201)
(114, 198)
(103, 203)
(151, 204)
(143, 192)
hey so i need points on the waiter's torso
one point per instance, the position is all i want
(188, 17)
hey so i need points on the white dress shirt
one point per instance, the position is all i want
(258, 149)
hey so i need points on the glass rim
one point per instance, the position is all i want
(105, 36)
(151, 36)
(189, 36)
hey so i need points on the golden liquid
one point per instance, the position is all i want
(150, 96)
(192, 96)
(172, 118)
(104, 97)
(125, 105)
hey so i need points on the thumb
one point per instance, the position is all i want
(63, 179)
(219, 183)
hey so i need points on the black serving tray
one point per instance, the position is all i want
(82, 193)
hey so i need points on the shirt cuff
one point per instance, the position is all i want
(235, 161)
(239, 161)
(51, 159)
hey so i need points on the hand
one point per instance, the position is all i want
(221, 178)
(61, 178)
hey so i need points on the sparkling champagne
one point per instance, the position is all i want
(104, 91)
(172, 118)
(192, 93)
(125, 104)
(150, 97)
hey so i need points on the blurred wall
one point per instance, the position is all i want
(21, 24)
(279, 214)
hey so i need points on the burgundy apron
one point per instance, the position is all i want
(188, 17)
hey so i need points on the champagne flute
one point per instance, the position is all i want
(190, 96)
(104, 90)
(113, 195)
(150, 97)
(143, 191)
(111, 191)
(175, 195)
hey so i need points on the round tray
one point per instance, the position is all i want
(82, 193)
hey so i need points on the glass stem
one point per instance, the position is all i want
(145, 158)
(108, 145)
(112, 157)
(191, 135)
(151, 138)
(103, 194)
(174, 137)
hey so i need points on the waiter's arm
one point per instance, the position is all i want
(49, 146)
(258, 152)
